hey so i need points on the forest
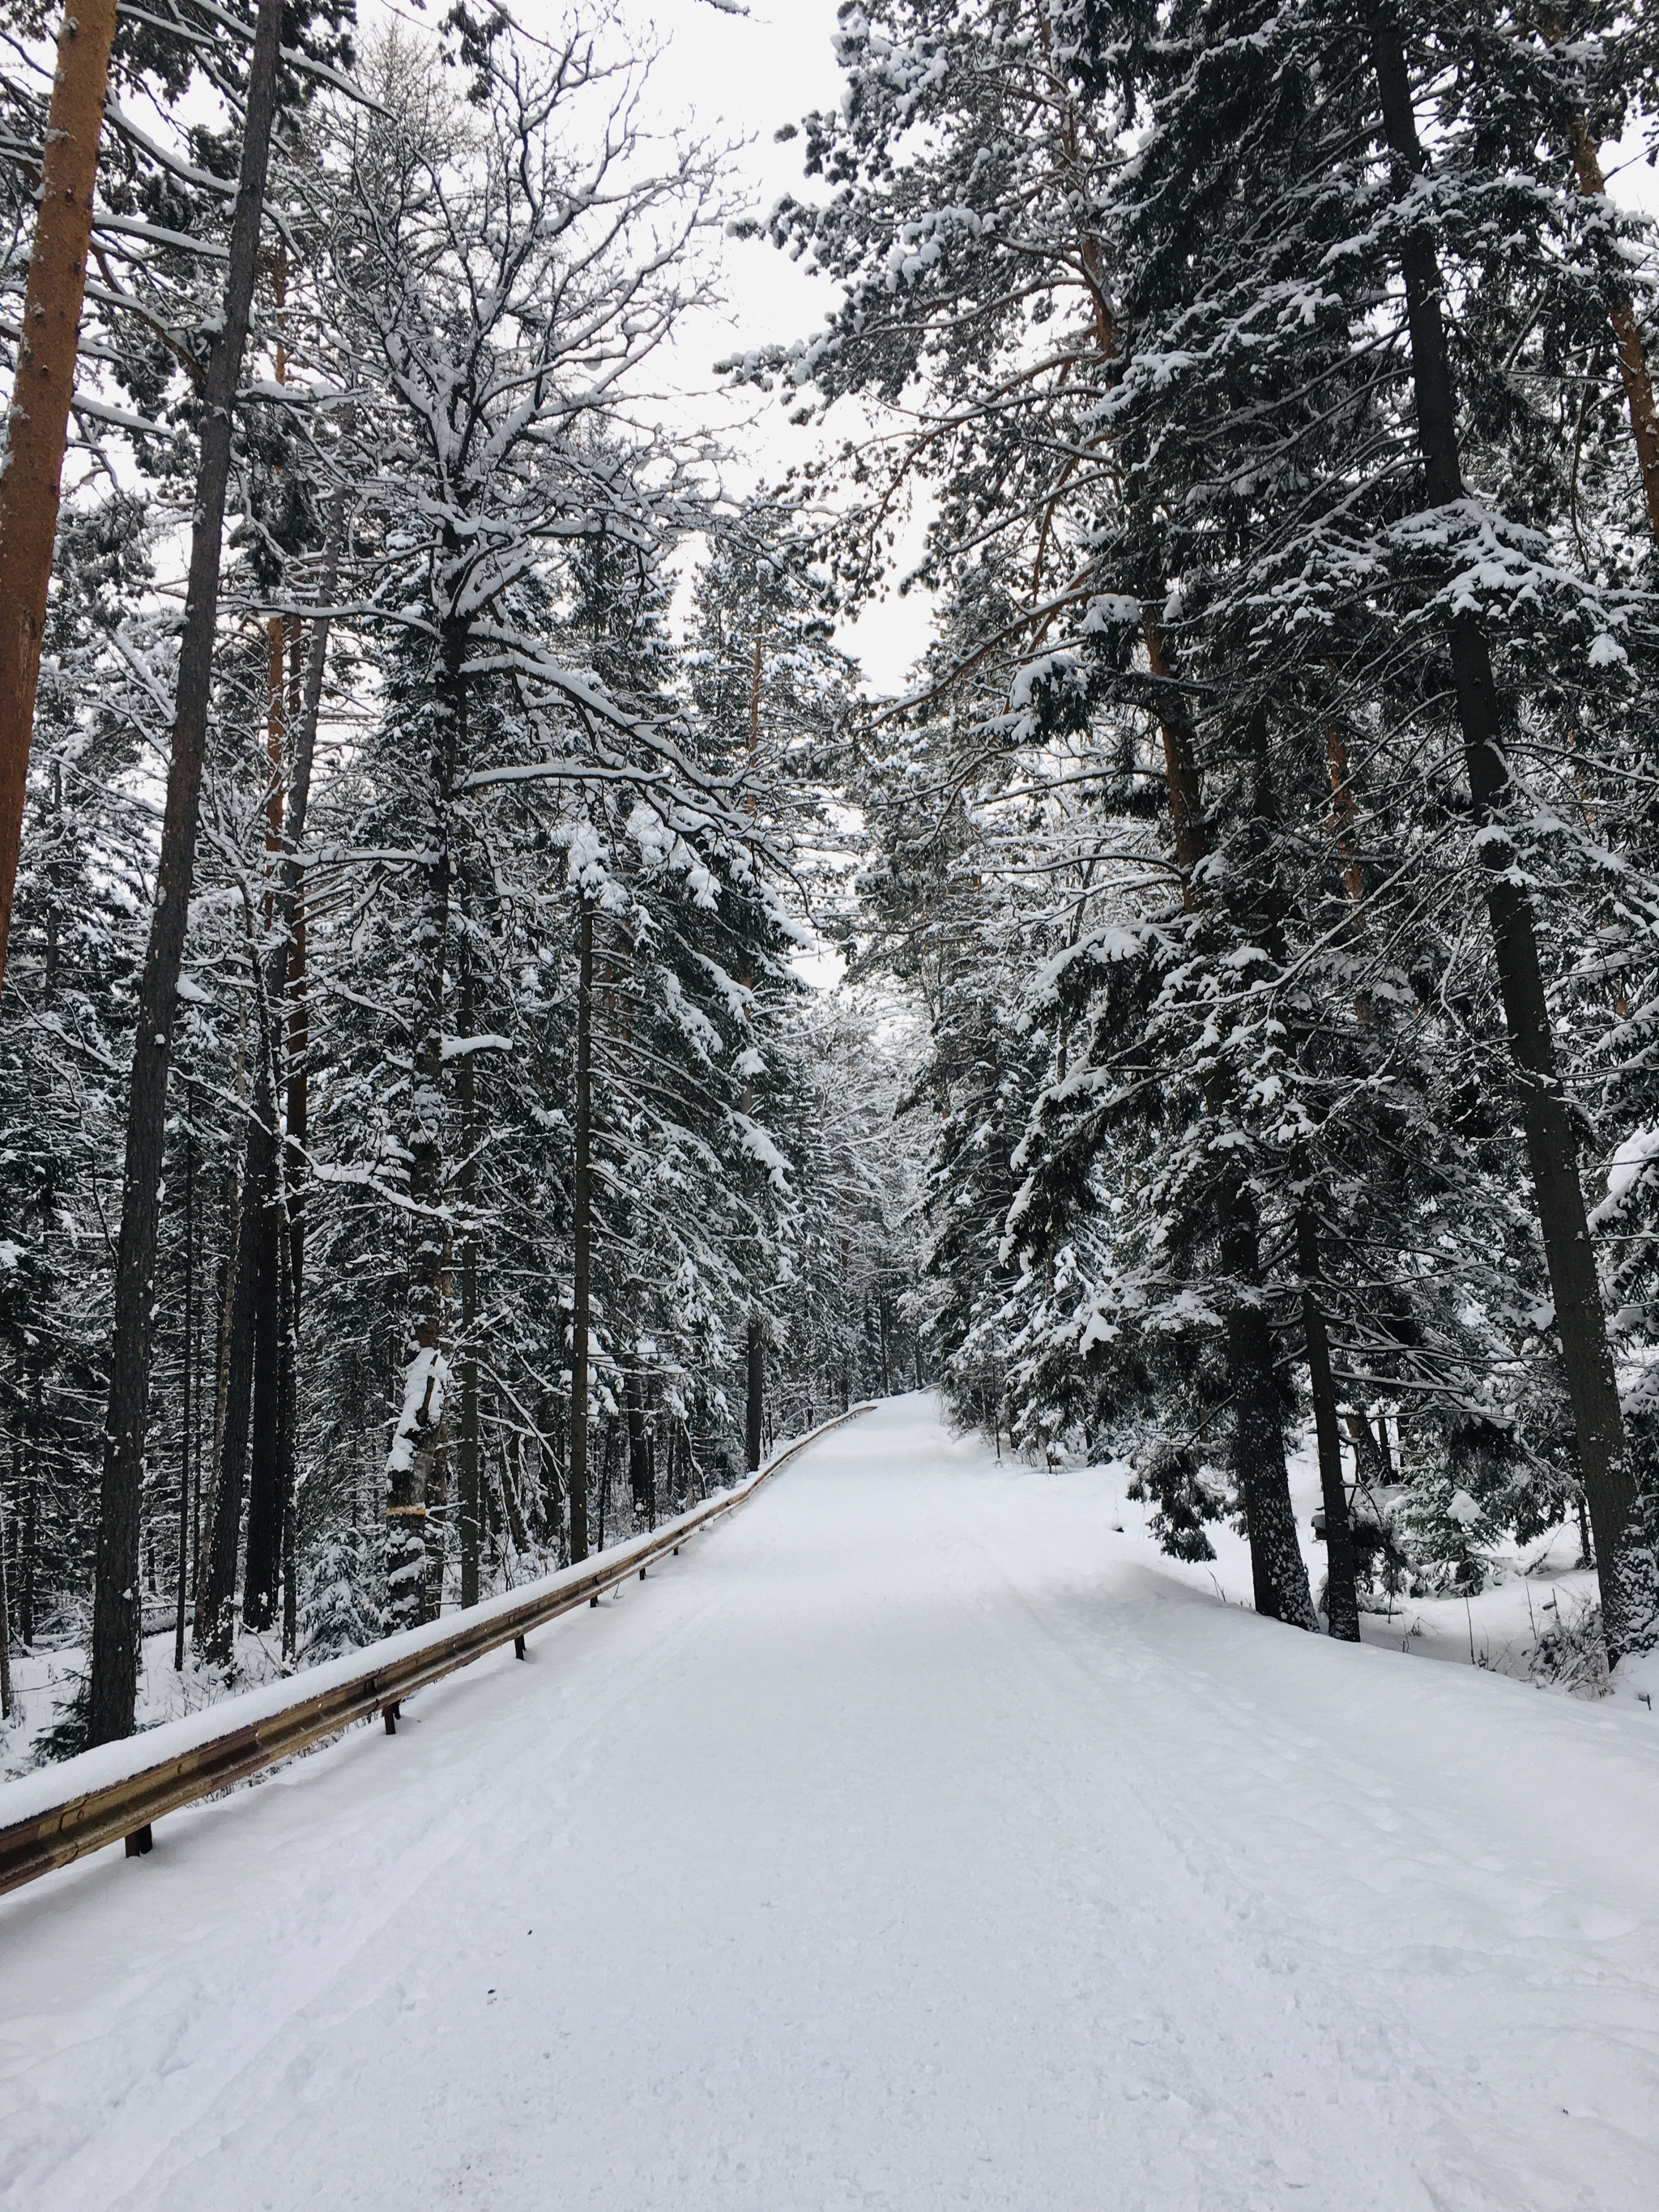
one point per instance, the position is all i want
(429, 1150)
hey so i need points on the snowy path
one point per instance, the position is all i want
(909, 1842)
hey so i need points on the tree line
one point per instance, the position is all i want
(423, 1160)
(421, 1155)
(1269, 831)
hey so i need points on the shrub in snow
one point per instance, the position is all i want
(1570, 1653)
(339, 1604)
(1183, 1494)
(1446, 1537)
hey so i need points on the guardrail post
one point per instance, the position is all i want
(141, 1842)
(519, 1652)
(389, 1715)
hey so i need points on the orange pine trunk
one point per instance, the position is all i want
(1632, 354)
(38, 426)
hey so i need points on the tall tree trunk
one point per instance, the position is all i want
(5, 1599)
(299, 1106)
(1633, 370)
(422, 1434)
(640, 1472)
(583, 1230)
(1180, 780)
(755, 1406)
(252, 1291)
(607, 1455)
(287, 1415)
(216, 1625)
(434, 1527)
(466, 1083)
(1630, 1604)
(1279, 1573)
(251, 1377)
(202, 1633)
(264, 1512)
(1342, 1600)
(260, 1580)
(186, 1424)
(307, 674)
(116, 1612)
(417, 1466)
(512, 1494)
(29, 1547)
(37, 425)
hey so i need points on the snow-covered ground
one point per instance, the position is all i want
(1536, 1590)
(45, 1683)
(916, 1839)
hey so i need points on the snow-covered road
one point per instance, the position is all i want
(912, 1841)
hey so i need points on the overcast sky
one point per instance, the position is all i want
(743, 77)
(739, 77)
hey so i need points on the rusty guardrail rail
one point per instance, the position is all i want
(377, 1679)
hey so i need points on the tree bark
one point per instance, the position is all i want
(287, 1416)
(641, 1480)
(1278, 1572)
(422, 1437)
(1342, 1600)
(1182, 785)
(116, 1611)
(5, 1603)
(583, 1230)
(512, 1497)
(38, 427)
(185, 1423)
(28, 1549)
(1625, 1573)
(203, 1631)
(215, 1627)
(264, 1514)
(435, 1527)
(1633, 369)
(470, 1517)
(755, 1394)
(265, 1517)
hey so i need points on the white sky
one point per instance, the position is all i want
(739, 77)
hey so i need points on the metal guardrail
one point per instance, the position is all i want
(127, 1807)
